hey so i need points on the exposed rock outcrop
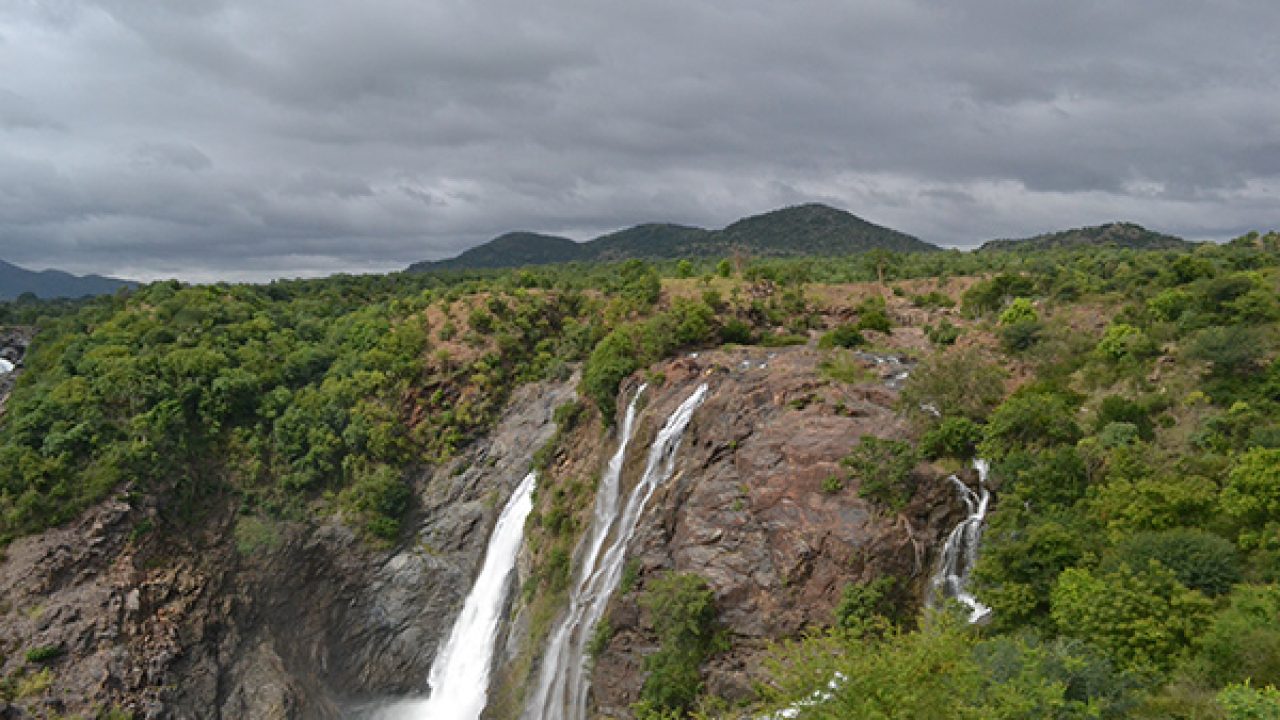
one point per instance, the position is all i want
(752, 510)
(304, 621)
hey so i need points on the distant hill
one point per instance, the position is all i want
(15, 281)
(1120, 234)
(512, 250)
(651, 241)
(811, 229)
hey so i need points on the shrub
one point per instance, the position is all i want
(1229, 350)
(955, 437)
(960, 384)
(945, 333)
(683, 612)
(1124, 342)
(1243, 640)
(884, 469)
(1242, 701)
(991, 295)
(1029, 420)
(736, 331)
(845, 336)
(1020, 336)
(861, 603)
(1019, 311)
(1198, 559)
(1143, 620)
(44, 653)
(1117, 408)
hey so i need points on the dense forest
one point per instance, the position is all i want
(1128, 402)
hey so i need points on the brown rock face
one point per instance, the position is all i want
(188, 625)
(751, 511)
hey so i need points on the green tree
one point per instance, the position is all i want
(1029, 420)
(885, 470)
(958, 383)
(682, 608)
(1142, 618)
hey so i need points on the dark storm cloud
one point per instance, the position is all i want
(237, 139)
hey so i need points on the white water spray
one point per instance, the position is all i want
(459, 676)
(960, 553)
(564, 680)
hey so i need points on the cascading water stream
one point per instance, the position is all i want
(960, 553)
(459, 676)
(563, 683)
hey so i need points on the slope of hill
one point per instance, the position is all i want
(811, 229)
(15, 281)
(651, 241)
(814, 229)
(1118, 234)
(511, 250)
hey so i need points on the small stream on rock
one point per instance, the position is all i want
(960, 553)
(459, 676)
(564, 681)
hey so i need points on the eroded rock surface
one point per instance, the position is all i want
(751, 510)
(300, 625)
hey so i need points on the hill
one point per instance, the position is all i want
(512, 250)
(15, 281)
(811, 229)
(1118, 234)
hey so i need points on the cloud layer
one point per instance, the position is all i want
(237, 139)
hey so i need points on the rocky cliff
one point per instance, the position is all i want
(242, 617)
(751, 510)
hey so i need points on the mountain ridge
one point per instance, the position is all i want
(807, 229)
(1112, 234)
(15, 281)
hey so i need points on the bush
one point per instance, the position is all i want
(1242, 641)
(960, 384)
(1029, 420)
(1229, 350)
(44, 653)
(736, 331)
(1198, 559)
(1054, 477)
(956, 437)
(1124, 342)
(861, 603)
(1020, 336)
(944, 333)
(1242, 701)
(885, 470)
(872, 315)
(991, 295)
(683, 612)
(1117, 408)
(1143, 620)
(845, 336)
(1019, 311)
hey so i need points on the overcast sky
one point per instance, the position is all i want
(249, 139)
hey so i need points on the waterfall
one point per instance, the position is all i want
(960, 553)
(459, 676)
(561, 693)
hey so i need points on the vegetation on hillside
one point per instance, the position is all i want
(1129, 402)
(803, 230)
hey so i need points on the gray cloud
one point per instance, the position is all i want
(235, 139)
